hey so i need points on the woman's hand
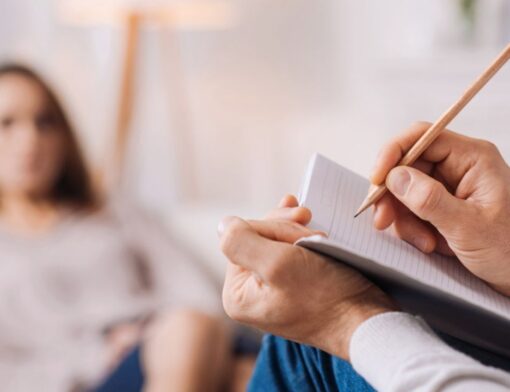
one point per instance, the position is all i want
(289, 291)
(454, 200)
(120, 339)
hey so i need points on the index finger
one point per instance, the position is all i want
(288, 201)
(391, 154)
(301, 215)
(260, 246)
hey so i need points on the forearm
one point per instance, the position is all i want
(397, 352)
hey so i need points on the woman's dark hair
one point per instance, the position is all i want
(73, 185)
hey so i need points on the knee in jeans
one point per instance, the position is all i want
(186, 324)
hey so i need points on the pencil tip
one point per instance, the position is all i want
(361, 209)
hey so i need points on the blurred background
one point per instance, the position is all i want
(198, 109)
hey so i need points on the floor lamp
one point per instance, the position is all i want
(132, 17)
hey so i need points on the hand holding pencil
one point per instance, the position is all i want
(415, 150)
(454, 200)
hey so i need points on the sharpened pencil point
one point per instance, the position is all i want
(374, 194)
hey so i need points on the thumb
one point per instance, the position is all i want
(424, 196)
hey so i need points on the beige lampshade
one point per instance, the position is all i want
(184, 14)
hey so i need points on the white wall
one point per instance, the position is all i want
(235, 113)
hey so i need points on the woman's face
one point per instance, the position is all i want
(31, 141)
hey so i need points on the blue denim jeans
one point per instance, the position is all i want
(127, 377)
(286, 366)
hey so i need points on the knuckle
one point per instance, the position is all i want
(469, 146)
(488, 147)
(292, 225)
(230, 239)
(430, 197)
(420, 125)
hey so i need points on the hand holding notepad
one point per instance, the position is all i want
(438, 287)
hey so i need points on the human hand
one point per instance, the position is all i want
(120, 339)
(289, 291)
(454, 200)
(289, 209)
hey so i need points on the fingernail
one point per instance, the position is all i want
(421, 243)
(223, 224)
(321, 233)
(221, 228)
(398, 181)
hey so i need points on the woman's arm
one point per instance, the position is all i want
(176, 278)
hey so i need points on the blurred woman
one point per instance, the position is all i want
(80, 282)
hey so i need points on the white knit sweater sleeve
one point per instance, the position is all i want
(397, 352)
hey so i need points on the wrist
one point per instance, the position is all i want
(502, 288)
(351, 314)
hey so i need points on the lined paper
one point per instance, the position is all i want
(333, 194)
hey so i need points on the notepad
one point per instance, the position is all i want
(436, 287)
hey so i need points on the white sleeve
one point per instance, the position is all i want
(397, 352)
